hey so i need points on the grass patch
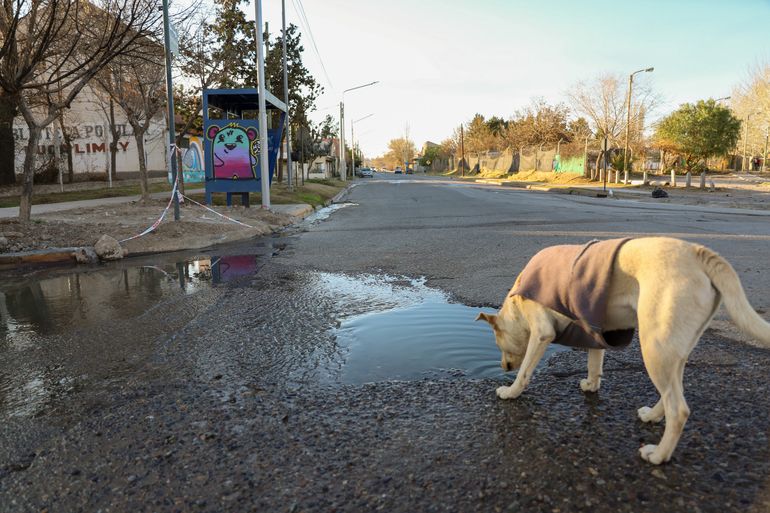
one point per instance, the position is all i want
(59, 197)
(314, 192)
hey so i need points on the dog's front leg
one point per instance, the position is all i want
(595, 364)
(538, 341)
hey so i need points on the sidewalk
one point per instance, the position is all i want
(66, 231)
(744, 193)
(70, 205)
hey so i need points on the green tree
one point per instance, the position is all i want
(304, 90)
(432, 152)
(478, 135)
(698, 131)
(235, 44)
(399, 151)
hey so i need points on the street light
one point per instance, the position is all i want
(353, 142)
(343, 169)
(722, 99)
(628, 121)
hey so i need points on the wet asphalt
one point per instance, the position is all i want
(217, 397)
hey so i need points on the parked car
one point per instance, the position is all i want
(398, 170)
(409, 171)
(366, 172)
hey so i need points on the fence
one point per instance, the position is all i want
(579, 158)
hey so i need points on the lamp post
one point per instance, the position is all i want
(628, 121)
(353, 142)
(170, 104)
(286, 97)
(343, 168)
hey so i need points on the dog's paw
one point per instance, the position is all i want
(587, 385)
(647, 414)
(650, 454)
(506, 393)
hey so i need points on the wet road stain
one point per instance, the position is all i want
(66, 332)
(408, 331)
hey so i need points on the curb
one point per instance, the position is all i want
(74, 255)
(337, 197)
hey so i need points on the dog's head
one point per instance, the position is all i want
(511, 332)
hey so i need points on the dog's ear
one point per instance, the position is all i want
(490, 318)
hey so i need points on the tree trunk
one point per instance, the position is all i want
(179, 173)
(68, 145)
(28, 179)
(595, 171)
(113, 143)
(143, 185)
(8, 105)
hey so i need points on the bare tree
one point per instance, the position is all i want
(751, 103)
(603, 101)
(50, 50)
(137, 86)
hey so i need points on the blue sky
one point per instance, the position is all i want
(440, 62)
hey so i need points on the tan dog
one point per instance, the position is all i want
(668, 289)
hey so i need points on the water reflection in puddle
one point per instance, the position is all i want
(58, 328)
(400, 329)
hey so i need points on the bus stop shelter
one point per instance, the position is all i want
(231, 141)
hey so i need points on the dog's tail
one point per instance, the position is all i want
(726, 281)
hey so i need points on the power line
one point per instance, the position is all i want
(300, 10)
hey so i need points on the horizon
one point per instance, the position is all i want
(432, 80)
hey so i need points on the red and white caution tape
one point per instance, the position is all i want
(215, 212)
(160, 219)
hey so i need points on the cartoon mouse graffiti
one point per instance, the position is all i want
(234, 155)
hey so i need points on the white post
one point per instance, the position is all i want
(263, 161)
(343, 169)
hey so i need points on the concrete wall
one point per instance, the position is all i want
(88, 121)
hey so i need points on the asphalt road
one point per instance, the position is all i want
(214, 397)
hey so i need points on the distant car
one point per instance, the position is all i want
(409, 171)
(366, 173)
(398, 171)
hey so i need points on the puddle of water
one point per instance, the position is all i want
(56, 327)
(400, 329)
(324, 213)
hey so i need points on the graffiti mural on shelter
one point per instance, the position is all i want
(234, 151)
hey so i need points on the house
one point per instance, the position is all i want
(323, 167)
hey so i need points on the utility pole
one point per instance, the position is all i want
(170, 101)
(745, 141)
(286, 96)
(263, 162)
(764, 155)
(628, 122)
(585, 158)
(462, 151)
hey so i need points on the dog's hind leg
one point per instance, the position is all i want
(656, 413)
(595, 364)
(653, 415)
(666, 341)
(666, 372)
